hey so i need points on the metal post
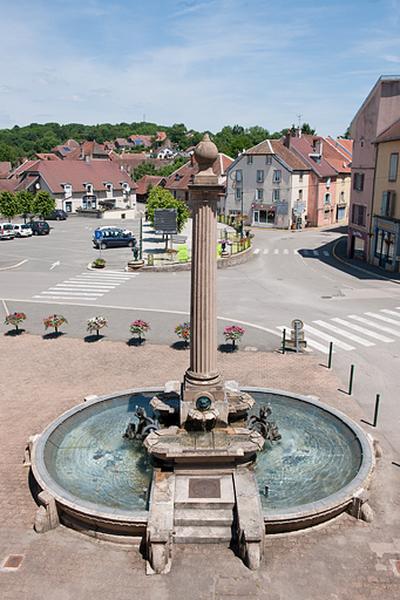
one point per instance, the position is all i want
(330, 355)
(141, 239)
(283, 341)
(351, 380)
(377, 400)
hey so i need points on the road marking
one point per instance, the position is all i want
(344, 333)
(372, 334)
(22, 262)
(382, 318)
(296, 251)
(54, 265)
(55, 292)
(286, 251)
(256, 251)
(89, 287)
(375, 325)
(89, 283)
(390, 312)
(328, 338)
(266, 250)
(47, 298)
(276, 251)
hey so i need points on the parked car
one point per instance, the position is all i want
(6, 231)
(22, 230)
(39, 227)
(57, 215)
(111, 237)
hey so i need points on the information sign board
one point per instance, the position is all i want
(165, 220)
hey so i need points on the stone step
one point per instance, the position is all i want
(204, 504)
(202, 535)
(206, 516)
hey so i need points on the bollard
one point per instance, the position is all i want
(351, 380)
(376, 412)
(330, 355)
(283, 340)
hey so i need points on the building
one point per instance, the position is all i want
(269, 184)
(5, 169)
(80, 185)
(385, 240)
(178, 182)
(339, 154)
(69, 151)
(379, 111)
(145, 183)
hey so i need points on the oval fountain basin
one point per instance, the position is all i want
(85, 463)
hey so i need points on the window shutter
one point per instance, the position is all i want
(362, 181)
(384, 203)
(392, 204)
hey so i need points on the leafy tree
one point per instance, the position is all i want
(8, 205)
(43, 203)
(8, 153)
(307, 129)
(176, 164)
(161, 198)
(346, 135)
(24, 201)
(144, 168)
(178, 135)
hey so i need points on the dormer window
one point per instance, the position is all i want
(67, 190)
(328, 183)
(89, 188)
(109, 190)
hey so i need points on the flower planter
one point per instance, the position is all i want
(134, 265)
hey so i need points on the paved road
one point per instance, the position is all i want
(291, 274)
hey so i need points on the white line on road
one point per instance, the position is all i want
(375, 325)
(327, 337)
(286, 251)
(5, 307)
(22, 262)
(266, 250)
(256, 251)
(55, 292)
(74, 286)
(47, 298)
(372, 334)
(382, 318)
(89, 283)
(344, 333)
(276, 251)
(390, 312)
(54, 265)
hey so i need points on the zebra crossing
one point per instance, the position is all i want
(351, 331)
(296, 251)
(89, 286)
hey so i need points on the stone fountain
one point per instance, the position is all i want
(199, 461)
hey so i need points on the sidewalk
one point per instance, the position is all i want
(39, 379)
(364, 269)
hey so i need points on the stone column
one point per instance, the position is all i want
(202, 375)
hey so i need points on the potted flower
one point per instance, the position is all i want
(95, 324)
(183, 331)
(138, 329)
(234, 334)
(99, 263)
(15, 319)
(54, 321)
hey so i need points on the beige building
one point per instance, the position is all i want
(385, 227)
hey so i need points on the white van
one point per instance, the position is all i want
(6, 231)
(22, 230)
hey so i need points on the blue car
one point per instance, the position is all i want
(113, 237)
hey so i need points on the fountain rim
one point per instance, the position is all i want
(335, 501)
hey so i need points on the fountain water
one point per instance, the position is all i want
(181, 466)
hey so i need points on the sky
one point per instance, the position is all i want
(206, 63)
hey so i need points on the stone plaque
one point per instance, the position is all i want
(204, 488)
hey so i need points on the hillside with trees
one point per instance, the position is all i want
(24, 142)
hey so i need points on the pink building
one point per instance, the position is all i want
(379, 110)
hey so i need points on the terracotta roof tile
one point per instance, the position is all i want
(182, 177)
(5, 169)
(303, 147)
(146, 181)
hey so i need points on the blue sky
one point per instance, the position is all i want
(206, 63)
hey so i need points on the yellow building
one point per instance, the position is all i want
(385, 228)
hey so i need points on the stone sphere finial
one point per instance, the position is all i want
(205, 153)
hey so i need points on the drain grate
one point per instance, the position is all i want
(326, 297)
(13, 562)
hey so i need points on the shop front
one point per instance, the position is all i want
(357, 244)
(385, 250)
(270, 215)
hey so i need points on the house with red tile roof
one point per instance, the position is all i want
(47, 156)
(80, 185)
(269, 185)
(5, 169)
(145, 183)
(70, 150)
(178, 182)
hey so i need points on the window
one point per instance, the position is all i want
(67, 190)
(277, 176)
(358, 214)
(268, 159)
(384, 246)
(300, 194)
(89, 188)
(358, 182)
(249, 159)
(238, 193)
(327, 199)
(238, 176)
(276, 195)
(393, 165)
(300, 176)
(342, 198)
(84, 203)
(260, 176)
(68, 207)
(259, 193)
(387, 204)
(328, 183)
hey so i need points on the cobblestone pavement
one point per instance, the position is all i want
(39, 379)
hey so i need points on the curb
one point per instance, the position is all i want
(349, 264)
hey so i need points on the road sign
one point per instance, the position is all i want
(165, 220)
(98, 235)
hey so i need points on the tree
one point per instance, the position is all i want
(178, 135)
(176, 164)
(8, 205)
(161, 198)
(43, 203)
(24, 201)
(144, 168)
(307, 129)
(8, 153)
(346, 135)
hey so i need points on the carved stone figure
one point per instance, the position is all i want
(269, 430)
(144, 425)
